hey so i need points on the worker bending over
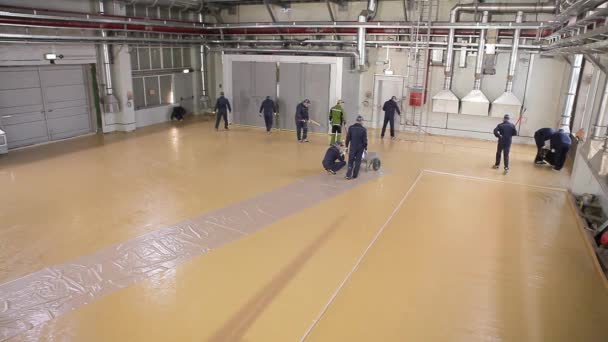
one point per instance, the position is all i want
(334, 158)
(560, 143)
(504, 132)
(302, 120)
(269, 108)
(356, 144)
(389, 108)
(336, 120)
(540, 137)
(222, 107)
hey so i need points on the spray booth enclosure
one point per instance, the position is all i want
(288, 80)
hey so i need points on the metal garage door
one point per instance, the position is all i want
(299, 81)
(251, 83)
(43, 104)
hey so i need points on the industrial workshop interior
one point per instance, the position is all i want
(303, 170)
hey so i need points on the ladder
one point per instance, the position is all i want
(417, 65)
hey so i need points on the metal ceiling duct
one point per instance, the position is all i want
(185, 4)
(601, 115)
(476, 102)
(110, 102)
(508, 103)
(575, 76)
(367, 14)
(446, 101)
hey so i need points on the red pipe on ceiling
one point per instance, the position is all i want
(237, 31)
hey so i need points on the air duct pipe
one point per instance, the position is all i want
(185, 4)
(601, 114)
(575, 75)
(365, 16)
(446, 101)
(548, 7)
(476, 102)
(202, 52)
(508, 103)
(110, 102)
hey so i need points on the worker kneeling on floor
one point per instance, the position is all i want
(334, 158)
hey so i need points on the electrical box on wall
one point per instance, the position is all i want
(462, 62)
(436, 57)
(489, 65)
(490, 49)
(416, 98)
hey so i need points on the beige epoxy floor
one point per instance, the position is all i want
(265, 287)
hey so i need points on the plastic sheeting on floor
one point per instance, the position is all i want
(41, 296)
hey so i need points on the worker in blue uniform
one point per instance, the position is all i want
(334, 158)
(389, 108)
(560, 143)
(302, 120)
(269, 109)
(540, 137)
(222, 107)
(505, 132)
(356, 144)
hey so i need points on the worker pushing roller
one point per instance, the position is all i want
(356, 144)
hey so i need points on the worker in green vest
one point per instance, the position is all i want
(336, 120)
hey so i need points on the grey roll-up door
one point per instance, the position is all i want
(38, 104)
(242, 85)
(22, 114)
(66, 101)
(252, 82)
(316, 89)
(290, 93)
(299, 81)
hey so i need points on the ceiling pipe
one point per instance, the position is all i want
(575, 76)
(158, 25)
(476, 102)
(110, 102)
(203, 62)
(368, 14)
(289, 52)
(508, 103)
(548, 7)
(513, 60)
(601, 115)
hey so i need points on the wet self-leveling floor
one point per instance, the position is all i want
(458, 252)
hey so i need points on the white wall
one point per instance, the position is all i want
(154, 115)
(541, 82)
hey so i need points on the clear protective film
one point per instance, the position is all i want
(43, 295)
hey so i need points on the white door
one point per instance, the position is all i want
(385, 87)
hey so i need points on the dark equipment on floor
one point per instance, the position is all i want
(372, 161)
(178, 113)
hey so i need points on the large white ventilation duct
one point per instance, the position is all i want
(109, 101)
(508, 103)
(446, 101)
(365, 15)
(476, 102)
(575, 77)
